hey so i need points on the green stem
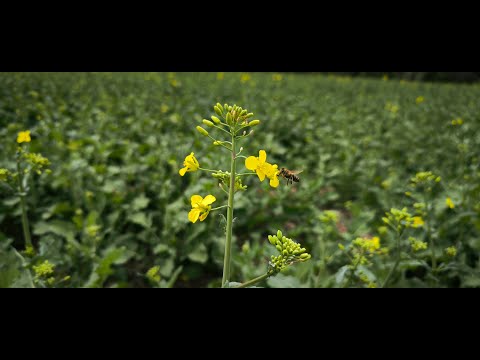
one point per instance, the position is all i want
(23, 205)
(397, 261)
(228, 242)
(254, 281)
(220, 207)
(252, 173)
(214, 171)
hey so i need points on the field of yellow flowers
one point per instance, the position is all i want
(92, 193)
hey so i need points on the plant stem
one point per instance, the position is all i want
(220, 207)
(23, 205)
(228, 242)
(397, 261)
(254, 281)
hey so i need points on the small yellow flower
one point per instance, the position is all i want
(190, 163)
(200, 207)
(417, 221)
(262, 168)
(373, 244)
(273, 176)
(245, 78)
(277, 77)
(220, 76)
(419, 100)
(450, 203)
(23, 136)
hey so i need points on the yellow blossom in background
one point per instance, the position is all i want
(417, 221)
(245, 78)
(262, 168)
(200, 207)
(277, 77)
(457, 122)
(372, 244)
(385, 77)
(24, 136)
(153, 274)
(220, 76)
(451, 251)
(419, 100)
(190, 163)
(449, 203)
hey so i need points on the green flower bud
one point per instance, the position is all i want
(217, 143)
(340, 246)
(244, 112)
(279, 242)
(254, 123)
(285, 252)
(202, 130)
(217, 110)
(249, 115)
(220, 107)
(208, 123)
(229, 118)
(225, 107)
(279, 248)
(215, 120)
(279, 234)
(305, 256)
(230, 108)
(272, 240)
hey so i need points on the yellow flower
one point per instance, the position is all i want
(450, 203)
(417, 221)
(372, 244)
(23, 136)
(262, 168)
(220, 76)
(200, 207)
(190, 163)
(419, 100)
(273, 176)
(245, 78)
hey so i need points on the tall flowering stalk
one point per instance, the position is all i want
(27, 162)
(235, 122)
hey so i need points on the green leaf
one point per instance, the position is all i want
(141, 219)
(140, 202)
(58, 227)
(340, 275)
(199, 255)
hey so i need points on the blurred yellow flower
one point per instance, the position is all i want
(245, 78)
(449, 203)
(190, 163)
(200, 207)
(220, 76)
(277, 77)
(417, 221)
(23, 136)
(372, 244)
(457, 122)
(419, 100)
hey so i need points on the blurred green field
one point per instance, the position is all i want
(114, 205)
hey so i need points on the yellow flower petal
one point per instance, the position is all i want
(208, 200)
(23, 136)
(251, 163)
(182, 171)
(261, 174)
(274, 182)
(195, 200)
(450, 203)
(204, 215)
(262, 156)
(193, 215)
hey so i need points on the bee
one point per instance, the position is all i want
(290, 175)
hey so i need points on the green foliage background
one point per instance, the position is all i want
(114, 205)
